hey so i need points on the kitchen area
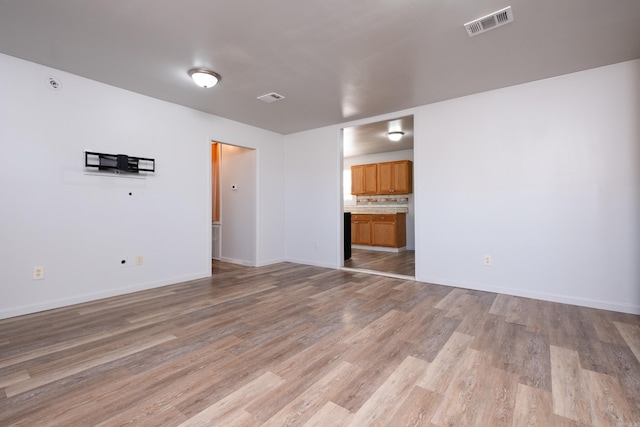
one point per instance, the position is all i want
(378, 198)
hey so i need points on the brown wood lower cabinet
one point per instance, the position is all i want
(388, 230)
(360, 229)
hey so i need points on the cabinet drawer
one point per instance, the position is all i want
(384, 217)
(361, 217)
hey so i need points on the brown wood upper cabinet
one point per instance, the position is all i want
(394, 177)
(364, 179)
(382, 178)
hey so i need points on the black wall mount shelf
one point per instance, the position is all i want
(118, 163)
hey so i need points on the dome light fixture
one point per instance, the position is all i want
(395, 136)
(204, 78)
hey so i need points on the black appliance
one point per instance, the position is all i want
(347, 235)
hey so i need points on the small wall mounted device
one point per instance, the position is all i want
(119, 163)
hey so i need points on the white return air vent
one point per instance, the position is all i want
(271, 97)
(489, 22)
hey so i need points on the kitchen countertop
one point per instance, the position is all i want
(388, 209)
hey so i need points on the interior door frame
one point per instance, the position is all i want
(390, 116)
(253, 262)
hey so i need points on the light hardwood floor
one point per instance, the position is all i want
(297, 345)
(402, 263)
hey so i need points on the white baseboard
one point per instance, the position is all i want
(312, 262)
(544, 296)
(236, 261)
(270, 262)
(78, 299)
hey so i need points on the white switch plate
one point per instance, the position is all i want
(38, 273)
(487, 260)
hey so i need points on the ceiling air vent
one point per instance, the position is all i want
(489, 22)
(271, 97)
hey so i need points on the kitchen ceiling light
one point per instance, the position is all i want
(395, 136)
(204, 78)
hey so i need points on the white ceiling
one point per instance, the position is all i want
(333, 60)
(372, 138)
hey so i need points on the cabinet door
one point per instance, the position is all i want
(401, 230)
(370, 178)
(361, 229)
(384, 234)
(357, 179)
(402, 177)
(384, 231)
(394, 177)
(385, 178)
(364, 179)
(389, 230)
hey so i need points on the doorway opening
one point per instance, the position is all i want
(378, 198)
(233, 204)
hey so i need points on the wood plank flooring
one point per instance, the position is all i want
(297, 345)
(402, 263)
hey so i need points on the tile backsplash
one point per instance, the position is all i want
(382, 200)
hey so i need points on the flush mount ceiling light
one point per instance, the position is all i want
(395, 136)
(204, 78)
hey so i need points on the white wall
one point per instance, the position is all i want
(544, 177)
(80, 226)
(238, 205)
(270, 210)
(313, 197)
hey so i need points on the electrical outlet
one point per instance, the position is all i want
(487, 260)
(139, 260)
(38, 273)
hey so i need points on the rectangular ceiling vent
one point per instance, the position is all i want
(271, 97)
(489, 22)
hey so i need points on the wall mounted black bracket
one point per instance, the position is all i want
(118, 162)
